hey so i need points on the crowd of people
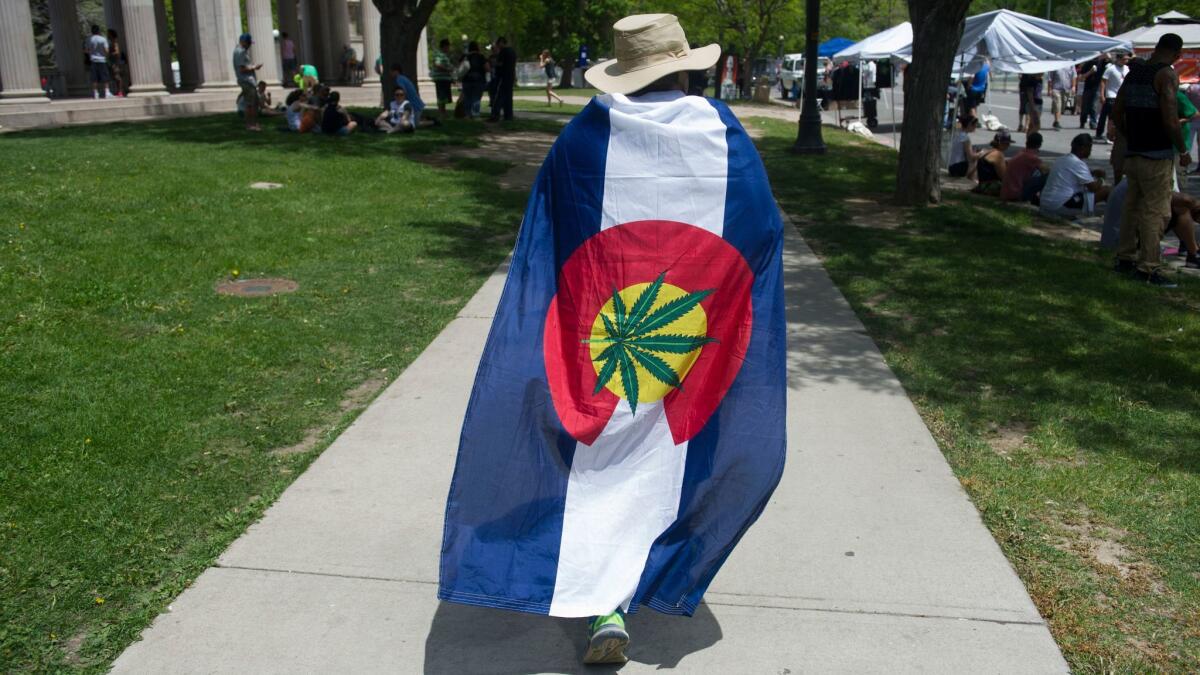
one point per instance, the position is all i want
(313, 107)
(1138, 106)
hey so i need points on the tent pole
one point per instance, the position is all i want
(892, 104)
(860, 101)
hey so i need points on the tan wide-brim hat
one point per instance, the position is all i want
(648, 46)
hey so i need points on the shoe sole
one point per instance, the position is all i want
(607, 646)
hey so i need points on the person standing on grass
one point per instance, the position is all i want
(1146, 113)
(506, 79)
(96, 48)
(589, 480)
(442, 74)
(475, 79)
(547, 64)
(1114, 76)
(247, 80)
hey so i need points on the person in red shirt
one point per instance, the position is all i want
(1021, 170)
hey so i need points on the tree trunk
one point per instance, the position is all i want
(400, 26)
(937, 28)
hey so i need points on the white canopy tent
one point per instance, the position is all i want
(882, 45)
(1172, 22)
(1019, 43)
(877, 47)
(1145, 38)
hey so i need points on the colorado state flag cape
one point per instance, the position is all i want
(627, 421)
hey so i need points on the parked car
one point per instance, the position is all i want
(792, 72)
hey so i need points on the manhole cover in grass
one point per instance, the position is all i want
(266, 186)
(257, 288)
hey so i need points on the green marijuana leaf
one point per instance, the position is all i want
(631, 343)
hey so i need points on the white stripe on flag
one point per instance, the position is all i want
(666, 161)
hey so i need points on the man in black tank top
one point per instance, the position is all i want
(1145, 114)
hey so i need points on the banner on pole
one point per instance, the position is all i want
(1100, 17)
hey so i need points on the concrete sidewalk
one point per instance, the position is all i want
(870, 558)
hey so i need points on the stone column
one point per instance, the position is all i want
(370, 36)
(164, 44)
(320, 52)
(114, 19)
(18, 56)
(423, 58)
(68, 47)
(262, 29)
(141, 48)
(306, 47)
(339, 35)
(218, 25)
(289, 22)
(187, 43)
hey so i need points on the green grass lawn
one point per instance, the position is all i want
(145, 420)
(1064, 396)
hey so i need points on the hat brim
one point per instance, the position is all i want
(608, 78)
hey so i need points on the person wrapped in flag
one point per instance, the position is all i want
(626, 425)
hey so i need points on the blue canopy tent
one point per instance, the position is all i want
(832, 46)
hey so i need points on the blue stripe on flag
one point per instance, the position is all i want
(743, 442)
(504, 513)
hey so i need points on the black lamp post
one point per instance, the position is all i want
(808, 138)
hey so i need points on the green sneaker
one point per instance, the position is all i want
(607, 639)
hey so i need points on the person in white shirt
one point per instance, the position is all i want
(1070, 179)
(96, 48)
(1114, 76)
(398, 116)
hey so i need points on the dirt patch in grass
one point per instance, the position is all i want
(1104, 546)
(353, 399)
(1008, 439)
(71, 648)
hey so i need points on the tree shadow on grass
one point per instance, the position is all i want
(226, 130)
(983, 317)
(1003, 324)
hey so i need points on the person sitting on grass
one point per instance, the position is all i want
(335, 121)
(1185, 213)
(1026, 174)
(1071, 179)
(962, 154)
(264, 101)
(991, 165)
(398, 116)
(297, 106)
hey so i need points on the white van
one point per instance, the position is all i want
(793, 71)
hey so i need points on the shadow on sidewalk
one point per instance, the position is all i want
(466, 639)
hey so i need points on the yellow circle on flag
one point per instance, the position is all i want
(694, 323)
